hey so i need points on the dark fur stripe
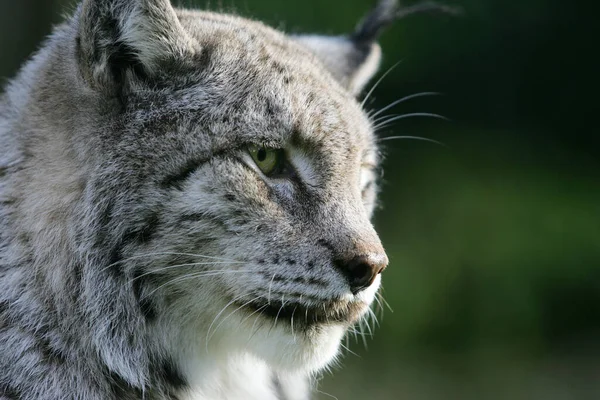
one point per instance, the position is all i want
(114, 261)
(146, 232)
(50, 353)
(146, 306)
(122, 390)
(11, 393)
(140, 235)
(169, 373)
(177, 179)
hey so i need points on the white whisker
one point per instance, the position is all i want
(410, 115)
(362, 104)
(208, 335)
(228, 315)
(254, 312)
(379, 305)
(270, 286)
(345, 347)
(292, 323)
(326, 394)
(373, 318)
(384, 300)
(165, 254)
(362, 332)
(367, 325)
(278, 312)
(201, 274)
(347, 341)
(402, 100)
(253, 332)
(156, 271)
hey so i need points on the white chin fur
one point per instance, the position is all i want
(282, 347)
(306, 353)
(240, 350)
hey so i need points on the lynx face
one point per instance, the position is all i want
(249, 181)
(182, 189)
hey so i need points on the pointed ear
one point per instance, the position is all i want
(354, 59)
(351, 64)
(117, 37)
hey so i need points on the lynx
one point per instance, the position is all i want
(185, 203)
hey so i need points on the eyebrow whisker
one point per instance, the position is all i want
(412, 138)
(402, 100)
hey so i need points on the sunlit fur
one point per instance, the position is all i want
(142, 253)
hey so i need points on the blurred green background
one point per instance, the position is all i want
(494, 239)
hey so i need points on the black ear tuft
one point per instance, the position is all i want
(387, 12)
(354, 59)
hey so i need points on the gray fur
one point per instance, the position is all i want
(135, 230)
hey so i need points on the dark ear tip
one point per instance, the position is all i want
(429, 6)
(388, 11)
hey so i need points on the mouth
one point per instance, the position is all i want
(300, 315)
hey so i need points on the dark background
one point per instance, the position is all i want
(494, 239)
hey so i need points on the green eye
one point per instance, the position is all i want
(266, 159)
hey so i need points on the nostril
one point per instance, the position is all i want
(360, 273)
(362, 270)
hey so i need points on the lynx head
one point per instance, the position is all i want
(205, 181)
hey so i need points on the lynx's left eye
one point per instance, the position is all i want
(267, 159)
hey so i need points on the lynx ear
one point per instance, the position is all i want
(353, 64)
(354, 59)
(120, 36)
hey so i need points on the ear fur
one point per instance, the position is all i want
(353, 60)
(352, 64)
(118, 36)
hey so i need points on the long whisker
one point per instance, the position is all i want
(373, 317)
(219, 314)
(345, 347)
(292, 323)
(411, 115)
(159, 270)
(367, 324)
(229, 315)
(277, 316)
(382, 297)
(326, 394)
(362, 104)
(270, 286)
(347, 340)
(411, 138)
(254, 312)
(165, 254)
(260, 310)
(402, 100)
(354, 331)
(201, 274)
(362, 332)
(379, 305)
